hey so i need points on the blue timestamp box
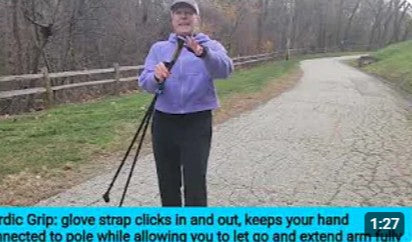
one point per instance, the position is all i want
(385, 225)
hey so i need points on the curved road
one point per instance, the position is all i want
(340, 137)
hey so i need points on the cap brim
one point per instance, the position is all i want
(179, 4)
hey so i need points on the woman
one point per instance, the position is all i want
(182, 122)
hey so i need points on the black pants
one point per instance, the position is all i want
(181, 144)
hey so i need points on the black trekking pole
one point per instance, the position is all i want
(144, 124)
(106, 196)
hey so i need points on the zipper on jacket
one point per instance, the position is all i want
(181, 86)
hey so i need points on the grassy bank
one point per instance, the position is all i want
(76, 133)
(394, 64)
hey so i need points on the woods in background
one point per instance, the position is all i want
(86, 34)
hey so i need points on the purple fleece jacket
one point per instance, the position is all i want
(190, 87)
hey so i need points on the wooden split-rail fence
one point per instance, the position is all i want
(44, 92)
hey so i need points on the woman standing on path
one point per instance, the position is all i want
(182, 122)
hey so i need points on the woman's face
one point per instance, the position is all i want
(184, 20)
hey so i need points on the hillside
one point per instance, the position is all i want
(394, 64)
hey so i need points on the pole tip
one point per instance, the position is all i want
(106, 197)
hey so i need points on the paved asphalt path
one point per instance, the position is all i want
(339, 138)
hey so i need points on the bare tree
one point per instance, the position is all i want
(42, 16)
(263, 9)
(377, 19)
(398, 19)
(350, 19)
(16, 33)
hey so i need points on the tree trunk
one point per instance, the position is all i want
(261, 22)
(408, 29)
(383, 37)
(350, 20)
(376, 25)
(16, 33)
(398, 21)
(295, 23)
(339, 24)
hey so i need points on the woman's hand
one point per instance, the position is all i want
(196, 47)
(161, 72)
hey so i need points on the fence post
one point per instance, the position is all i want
(116, 77)
(48, 98)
